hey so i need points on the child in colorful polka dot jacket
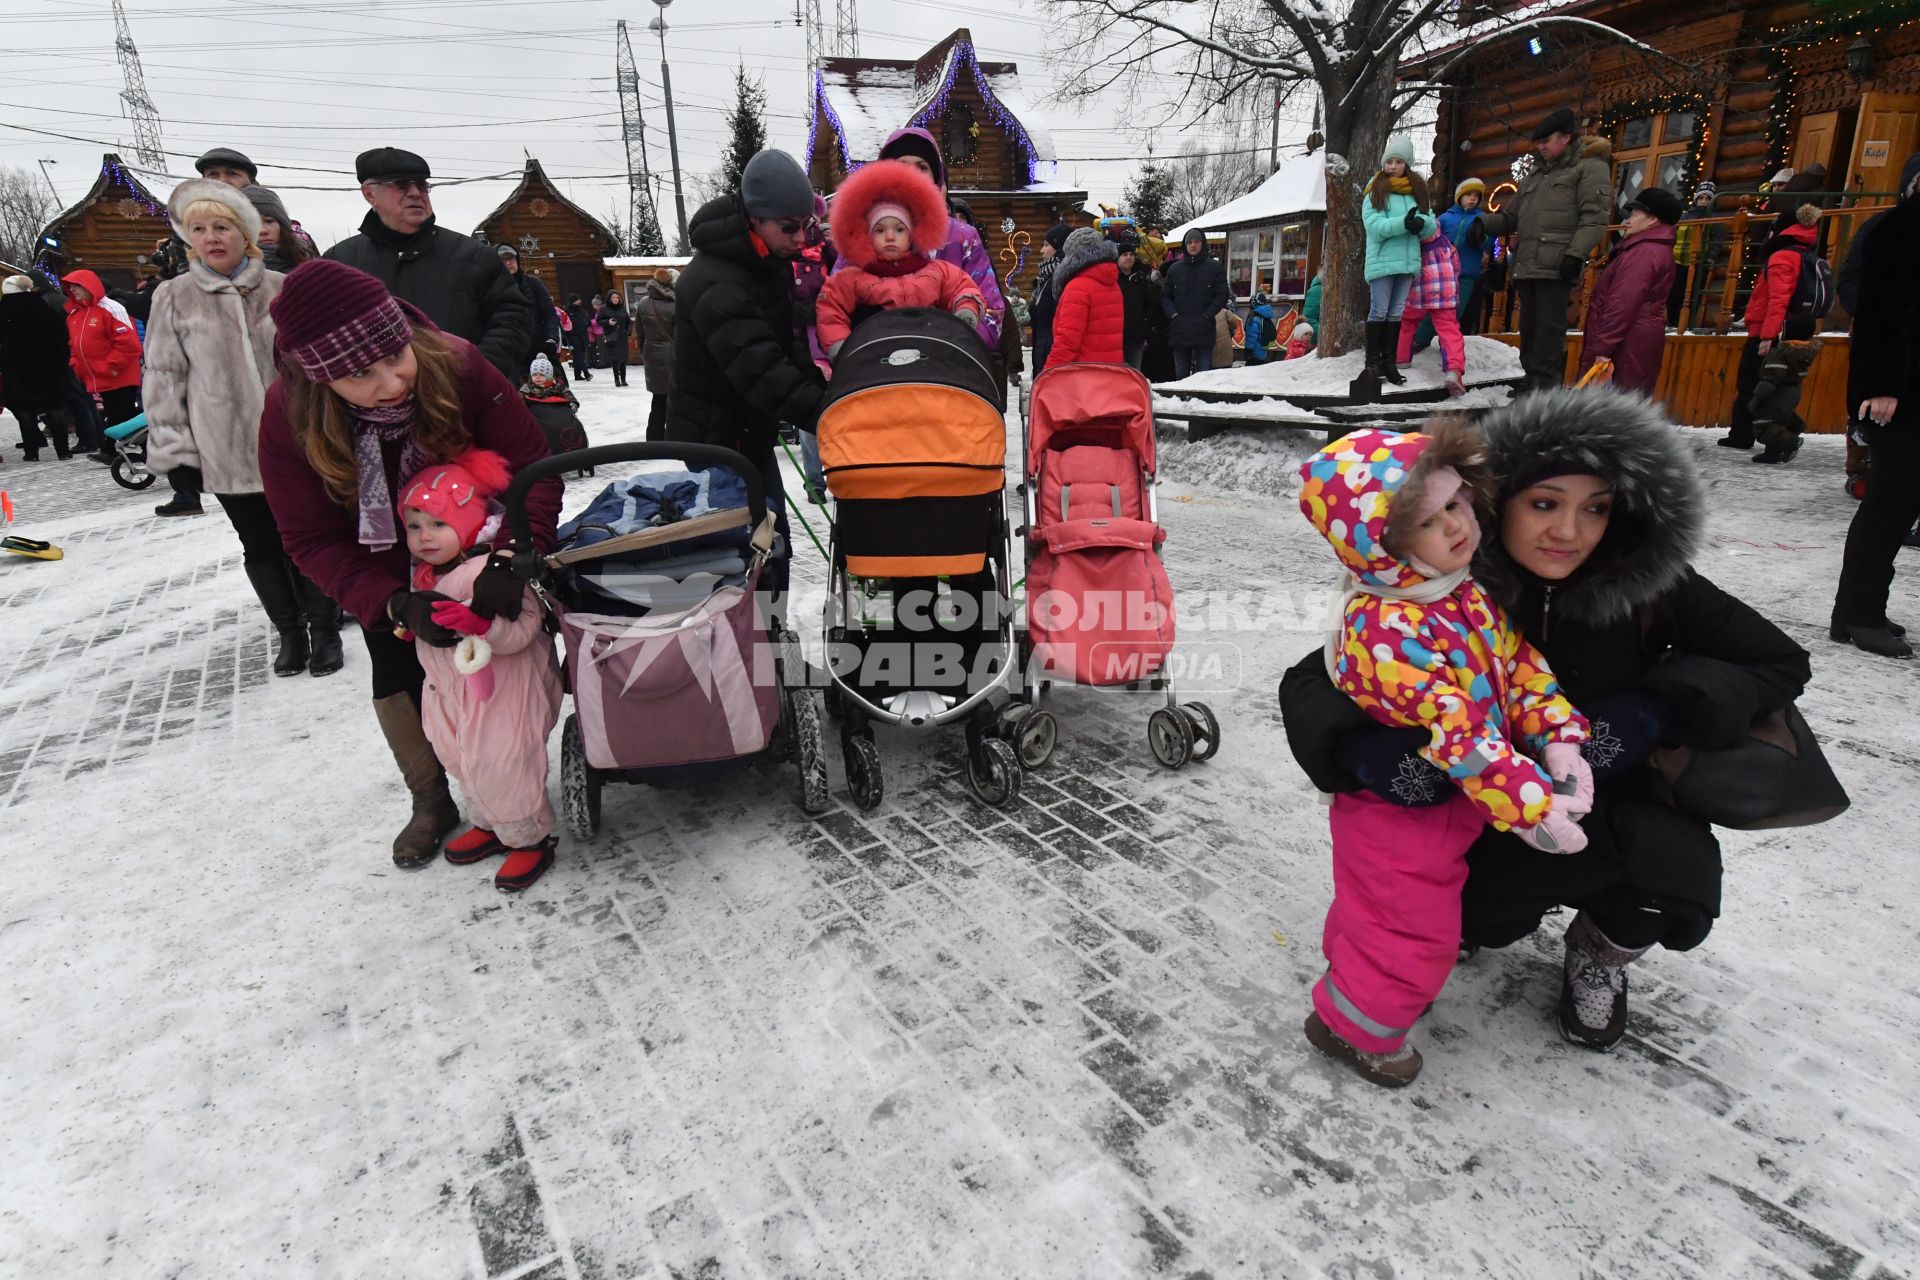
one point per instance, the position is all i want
(1420, 644)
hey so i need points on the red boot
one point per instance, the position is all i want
(524, 866)
(475, 844)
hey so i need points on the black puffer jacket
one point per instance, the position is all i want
(1886, 325)
(456, 280)
(739, 369)
(1140, 299)
(33, 356)
(546, 325)
(1196, 291)
(1648, 649)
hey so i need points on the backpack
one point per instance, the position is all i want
(1813, 293)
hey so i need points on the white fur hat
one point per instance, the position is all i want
(196, 189)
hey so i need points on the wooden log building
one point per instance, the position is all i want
(560, 243)
(1751, 89)
(999, 158)
(111, 232)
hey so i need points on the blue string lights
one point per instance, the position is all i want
(114, 178)
(963, 58)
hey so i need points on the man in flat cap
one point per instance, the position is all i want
(455, 279)
(1557, 218)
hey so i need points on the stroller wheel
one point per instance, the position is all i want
(863, 772)
(993, 771)
(1170, 734)
(1206, 729)
(579, 789)
(836, 707)
(807, 753)
(129, 474)
(1035, 739)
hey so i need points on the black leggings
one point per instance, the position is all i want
(396, 665)
(253, 521)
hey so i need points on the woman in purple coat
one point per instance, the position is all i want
(1627, 318)
(964, 248)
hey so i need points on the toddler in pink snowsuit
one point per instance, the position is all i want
(1435, 296)
(490, 703)
(1420, 644)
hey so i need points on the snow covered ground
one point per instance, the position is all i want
(726, 1040)
(1315, 377)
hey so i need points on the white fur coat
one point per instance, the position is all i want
(209, 361)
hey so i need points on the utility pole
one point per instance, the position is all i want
(659, 27)
(1273, 147)
(806, 13)
(133, 94)
(633, 132)
(846, 32)
(49, 178)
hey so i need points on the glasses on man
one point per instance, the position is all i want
(404, 185)
(793, 226)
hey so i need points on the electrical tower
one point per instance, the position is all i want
(642, 226)
(806, 13)
(133, 97)
(846, 30)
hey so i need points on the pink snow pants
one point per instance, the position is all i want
(1446, 325)
(1393, 931)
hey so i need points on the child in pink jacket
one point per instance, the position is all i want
(1435, 296)
(1419, 643)
(889, 221)
(490, 703)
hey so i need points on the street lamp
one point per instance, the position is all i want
(1860, 58)
(659, 27)
(49, 178)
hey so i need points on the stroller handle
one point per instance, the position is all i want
(695, 455)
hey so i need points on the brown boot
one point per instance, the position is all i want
(434, 813)
(1388, 1070)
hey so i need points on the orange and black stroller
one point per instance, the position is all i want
(913, 442)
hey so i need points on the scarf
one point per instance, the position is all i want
(1426, 592)
(373, 429)
(1401, 186)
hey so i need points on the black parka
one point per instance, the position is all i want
(33, 356)
(739, 366)
(1196, 290)
(546, 325)
(456, 280)
(1648, 649)
(1886, 325)
(1139, 299)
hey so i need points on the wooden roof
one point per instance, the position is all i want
(114, 176)
(534, 176)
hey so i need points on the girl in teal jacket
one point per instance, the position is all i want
(1394, 214)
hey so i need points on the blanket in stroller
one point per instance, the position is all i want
(674, 575)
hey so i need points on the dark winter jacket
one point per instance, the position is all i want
(1560, 210)
(33, 356)
(580, 336)
(546, 325)
(1196, 291)
(1648, 649)
(1776, 396)
(1091, 322)
(1772, 297)
(1627, 318)
(1139, 299)
(617, 322)
(455, 279)
(1040, 312)
(1885, 359)
(654, 314)
(739, 368)
(323, 537)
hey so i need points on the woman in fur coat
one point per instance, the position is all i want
(209, 363)
(1598, 511)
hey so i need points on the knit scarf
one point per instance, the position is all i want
(373, 429)
(1401, 186)
(1426, 592)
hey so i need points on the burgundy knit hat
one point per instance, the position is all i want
(331, 320)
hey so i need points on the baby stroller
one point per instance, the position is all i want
(913, 444)
(128, 443)
(554, 407)
(1099, 605)
(677, 678)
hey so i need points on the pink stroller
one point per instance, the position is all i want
(1099, 605)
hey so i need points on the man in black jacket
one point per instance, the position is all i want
(546, 325)
(1195, 293)
(739, 366)
(455, 279)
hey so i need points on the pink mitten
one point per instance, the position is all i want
(1555, 833)
(1572, 779)
(455, 616)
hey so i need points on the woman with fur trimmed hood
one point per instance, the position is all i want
(1597, 511)
(1090, 316)
(888, 223)
(209, 364)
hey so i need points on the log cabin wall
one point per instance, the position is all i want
(559, 244)
(112, 232)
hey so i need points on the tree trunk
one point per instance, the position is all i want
(1356, 133)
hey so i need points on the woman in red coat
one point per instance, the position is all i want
(105, 349)
(1090, 323)
(1627, 318)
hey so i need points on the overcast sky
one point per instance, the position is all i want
(302, 87)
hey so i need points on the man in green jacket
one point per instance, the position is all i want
(1557, 218)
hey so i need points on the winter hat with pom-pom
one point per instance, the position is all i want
(456, 492)
(1807, 215)
(887, 188)
(541, 370)
(238, 209)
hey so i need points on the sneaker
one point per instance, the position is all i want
(475, 844)
(179, 508)
(1394, 1070)
(524, 866)
(1593, 993)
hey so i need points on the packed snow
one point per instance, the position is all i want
(724, 1040)
(1325, 377)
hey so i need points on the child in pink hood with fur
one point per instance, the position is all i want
(490, 703)
(889, 221)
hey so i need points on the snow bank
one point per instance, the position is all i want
(1323, 378)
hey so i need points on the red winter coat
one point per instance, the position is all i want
(105, 349)
(1627, 319)
(1091, 322)
(323, 537)
(1773, 291)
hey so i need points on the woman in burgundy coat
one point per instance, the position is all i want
(1627, 319)
(370, 393)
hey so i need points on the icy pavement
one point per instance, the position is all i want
(937, 1040)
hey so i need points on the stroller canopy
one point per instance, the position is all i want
(1106, 404)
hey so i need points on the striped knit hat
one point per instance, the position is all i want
(331, 320)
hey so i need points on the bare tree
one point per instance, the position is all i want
(1349, 52)
(26, 206)
(1201, 180)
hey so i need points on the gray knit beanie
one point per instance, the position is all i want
(773, 185)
